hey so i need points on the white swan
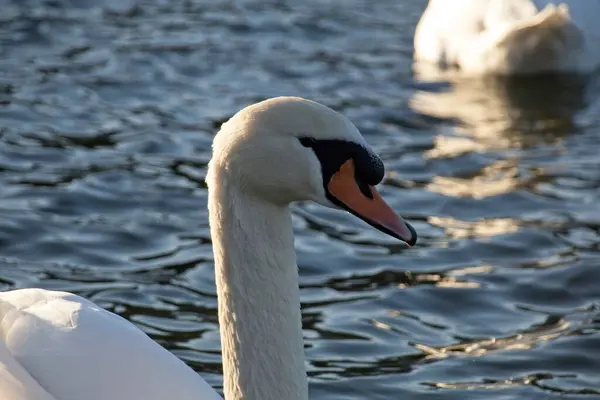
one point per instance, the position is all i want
(508, 37)
(58, 346)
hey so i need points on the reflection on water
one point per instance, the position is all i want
(478, 229)
(492, 115)
(499, 113)
(554, 328)
(513, 131)
(107, 112)
(500, 177)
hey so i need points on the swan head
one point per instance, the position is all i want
(288, 149)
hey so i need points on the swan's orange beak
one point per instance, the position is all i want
(374, 211)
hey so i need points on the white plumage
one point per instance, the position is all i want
(59, 346)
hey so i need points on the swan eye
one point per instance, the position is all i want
(307, 141)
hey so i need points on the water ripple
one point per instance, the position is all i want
(107, 113)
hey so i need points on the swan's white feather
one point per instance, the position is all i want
(59, 346)
(509, 37)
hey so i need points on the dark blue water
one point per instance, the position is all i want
(107, 112)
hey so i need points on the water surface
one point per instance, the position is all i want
(107, 112)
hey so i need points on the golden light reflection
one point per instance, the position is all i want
(475, 229)
(454, 284)
(478, 269)
(497, 178)
(443, 281)
(495, 113)
(480, 348)
(382, 325)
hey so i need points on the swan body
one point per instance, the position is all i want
(59, 346)
(509, 37)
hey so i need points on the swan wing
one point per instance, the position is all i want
(59, 346)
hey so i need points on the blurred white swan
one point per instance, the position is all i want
(508, 37)
(59, 346)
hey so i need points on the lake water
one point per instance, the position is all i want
(107, 112)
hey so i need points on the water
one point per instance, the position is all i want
(107, 112)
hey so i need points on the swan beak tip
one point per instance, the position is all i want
(411, 238)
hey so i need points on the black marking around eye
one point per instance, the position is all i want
(369, 169)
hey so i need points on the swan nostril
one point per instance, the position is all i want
(364, 187)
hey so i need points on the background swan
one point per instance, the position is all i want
(509, 36)
(59, 346)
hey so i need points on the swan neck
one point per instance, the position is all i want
(259, 302)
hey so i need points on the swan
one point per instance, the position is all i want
(508, 37)
(58, 346)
